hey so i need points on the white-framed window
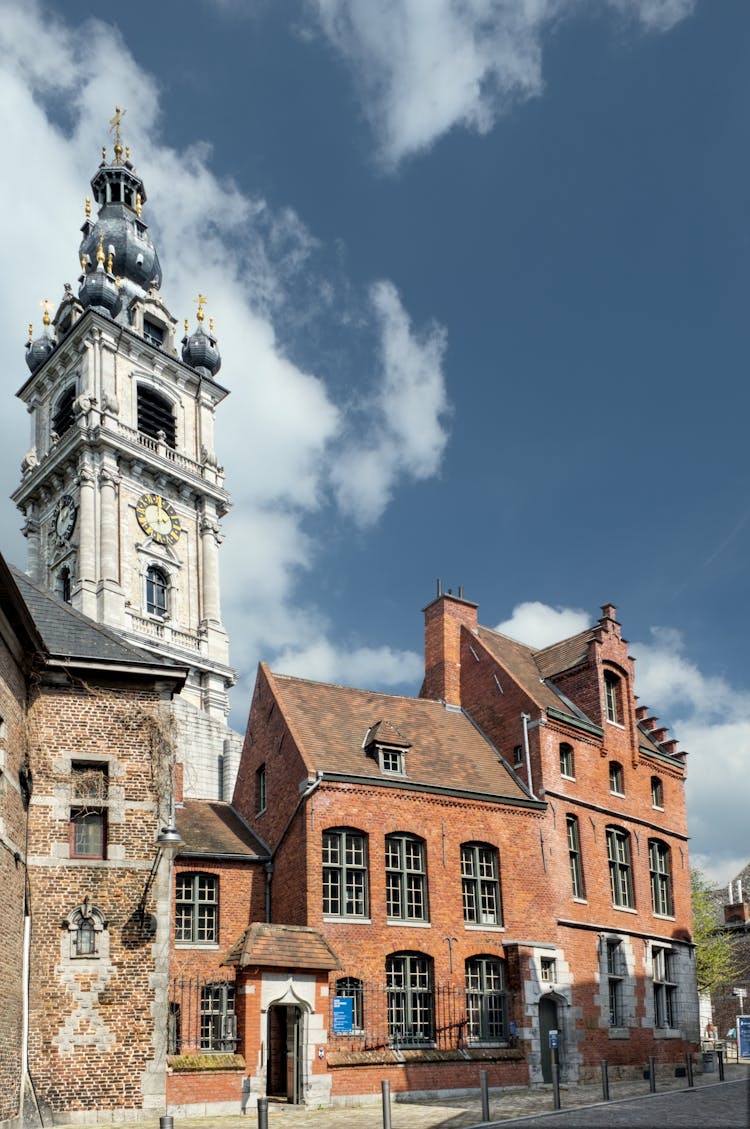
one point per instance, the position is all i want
(612, 698)
(616, 779)
(657, 793)
(620, 868)
(480, 883)
(660, 871)
(548, 969)
(567, 761)
(345, 886)
(574, 855)
(391, 760)
(405, 878)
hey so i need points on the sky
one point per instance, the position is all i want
(480, 272)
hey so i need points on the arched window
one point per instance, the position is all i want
(157, 591)
(660, 869)
(480, 882)
(197, 909)
(657, 792)
(349, 987)
(62, 417)
(620, 868)
(567, 763)
(345, 873)
(405, 878)
(85, 925)
(486, 1004)
(612, 698)
(616, 780)
(411, 1003)
(155, 414)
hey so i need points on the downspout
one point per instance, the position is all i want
(526, 718)
(311, 787)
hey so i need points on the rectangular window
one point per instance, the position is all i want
(153, 333)
(620, 871)
(660, 870)
(657, 793)
(345, 874)
(548, 969)
(665, 988)
(611, 698)
(486, 1005)
(574, 854)
(615, 977)
(88, 810)
(616, 784)
(480, 885)
(410, 998)
(405, 878)
(218, 1019)
(197, 909)
(392, 760)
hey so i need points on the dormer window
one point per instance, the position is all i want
(153, 332)
(392, 761)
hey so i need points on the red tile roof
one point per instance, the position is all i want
(213, 828)
(282, 946)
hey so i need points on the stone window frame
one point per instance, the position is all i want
(664, 985)
(89, 808)
(157, 578)
(89, 921)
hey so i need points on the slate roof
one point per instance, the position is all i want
(70, 635)
(445, 748)
(282, 946)
(212, 828)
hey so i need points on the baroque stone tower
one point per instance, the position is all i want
(121, 490)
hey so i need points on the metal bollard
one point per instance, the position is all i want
(262, 1113)
(485, 1095)
(689, 1066)
(605, 1081)
(555, 1081)
(652, 1074)
(386, 1091)
(720, 1056)
(166, 1122)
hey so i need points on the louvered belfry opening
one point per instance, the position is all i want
(63, 417)
(155, 415)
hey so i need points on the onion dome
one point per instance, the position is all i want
(38, 349)
(99, 289)
(120, 195)
(199, 350)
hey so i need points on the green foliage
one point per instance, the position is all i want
(715, 963)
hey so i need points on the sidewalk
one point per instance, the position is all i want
(449, 1113)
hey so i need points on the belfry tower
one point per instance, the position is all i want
(121, 490)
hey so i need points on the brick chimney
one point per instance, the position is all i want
(443, 620)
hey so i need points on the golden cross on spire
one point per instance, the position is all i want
(201, 300)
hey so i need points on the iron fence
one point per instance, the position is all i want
(202, 1016)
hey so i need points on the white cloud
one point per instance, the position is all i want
(424, 67)
(537, 624)
(358, 666)
(280, 435)
(401, 429)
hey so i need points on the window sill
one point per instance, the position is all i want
(409, 924)
(618, 1033)
(624, 909)
(473, 927)
(564, 776)
(657, 807)
(665, 916)
(345, 919)
(620, 795)
(617, 724)
(667, 1033)
(212, 945)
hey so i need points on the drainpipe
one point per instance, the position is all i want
(269, 876)
(526, 718)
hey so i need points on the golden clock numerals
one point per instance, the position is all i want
(157, 519)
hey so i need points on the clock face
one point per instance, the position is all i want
(64, 517)
(158, 519)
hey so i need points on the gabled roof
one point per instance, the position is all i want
(282, 946)
(68, 635)
(566, 654)
(213, 829)
(520, 661)
(445, 751)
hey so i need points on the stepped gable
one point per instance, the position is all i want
(444, 747)
(213, 828)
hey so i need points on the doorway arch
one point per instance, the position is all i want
(548, 1021)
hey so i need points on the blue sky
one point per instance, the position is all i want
(479, 271)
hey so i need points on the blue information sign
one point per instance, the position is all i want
(743, 1036)
(343, 1014)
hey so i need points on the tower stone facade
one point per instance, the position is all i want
(122, 492)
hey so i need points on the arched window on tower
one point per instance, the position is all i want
(63, 417)
(155, 414)
(63, 584)
(157, 591)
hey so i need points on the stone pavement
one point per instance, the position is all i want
(456, 1113)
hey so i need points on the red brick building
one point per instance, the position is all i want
(446, 879)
